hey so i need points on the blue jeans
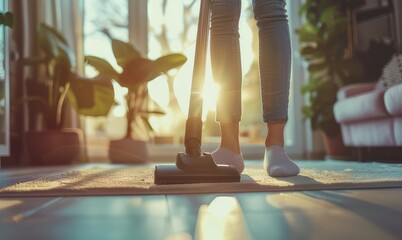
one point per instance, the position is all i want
(274, 58)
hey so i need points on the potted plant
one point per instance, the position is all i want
(136, 72)
(55, 144)
(323, 45)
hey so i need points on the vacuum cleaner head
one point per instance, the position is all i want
(172, 174)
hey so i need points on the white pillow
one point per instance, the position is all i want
(391, 73)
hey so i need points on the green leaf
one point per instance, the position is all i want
(55, 44)
(307, 112)
(7, 19)
(147, 124)
(156, 112)
(168, 62)
(308, 50)
(337, 31)
(91, 96)
(307, 36)
(317, 67)
(124, 52)
(141, 70)
(43, 28)
(137, 72)
(102, 66)
(328, 13)
(307, 33)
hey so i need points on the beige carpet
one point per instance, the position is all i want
(103, 179)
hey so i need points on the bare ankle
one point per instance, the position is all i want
(230, 137)
(234, 148)
(271, 143)
(275, 134)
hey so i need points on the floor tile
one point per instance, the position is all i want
(153, 206)
(112, 227)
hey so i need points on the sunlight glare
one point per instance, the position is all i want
(179, 236)
(4, 204)
(210, 95)
(162, 124)
(159, 90)
(221, 219)
(119, 110)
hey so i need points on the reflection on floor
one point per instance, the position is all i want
(340, 214)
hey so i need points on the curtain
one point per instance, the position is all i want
(67, 18)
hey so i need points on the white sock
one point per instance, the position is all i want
(227, 157)
(278, 164)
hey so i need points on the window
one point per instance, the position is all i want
(104, 18)
(172, 27)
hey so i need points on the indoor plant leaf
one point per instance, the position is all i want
(317, 67)
(307, 32)
(55, 44)
(144, 117)
(7, 19)
(147, 124)
(136, 72)
(141, 70)
(124, 52)
(102, 66)
(328, 13)
(168, 62)
(91, 96)
(308, 50)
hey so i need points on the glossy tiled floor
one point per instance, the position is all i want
(348, 214)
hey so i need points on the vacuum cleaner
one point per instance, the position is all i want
(192, 166)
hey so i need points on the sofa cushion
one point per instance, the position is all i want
(377, 132)
(361, 107)
(354, 89)
(393, 100)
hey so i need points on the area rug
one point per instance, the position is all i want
(105, 179)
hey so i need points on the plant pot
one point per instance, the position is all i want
(128, 150)
(55, 147)
(335, 148)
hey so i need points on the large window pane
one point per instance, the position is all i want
(104, 19)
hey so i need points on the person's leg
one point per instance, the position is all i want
(226, 69)
(274, 66)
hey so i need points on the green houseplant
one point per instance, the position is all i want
(323, 45)
(136, 72)
(55, 144)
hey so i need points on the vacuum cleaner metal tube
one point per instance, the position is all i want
(192, 138)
